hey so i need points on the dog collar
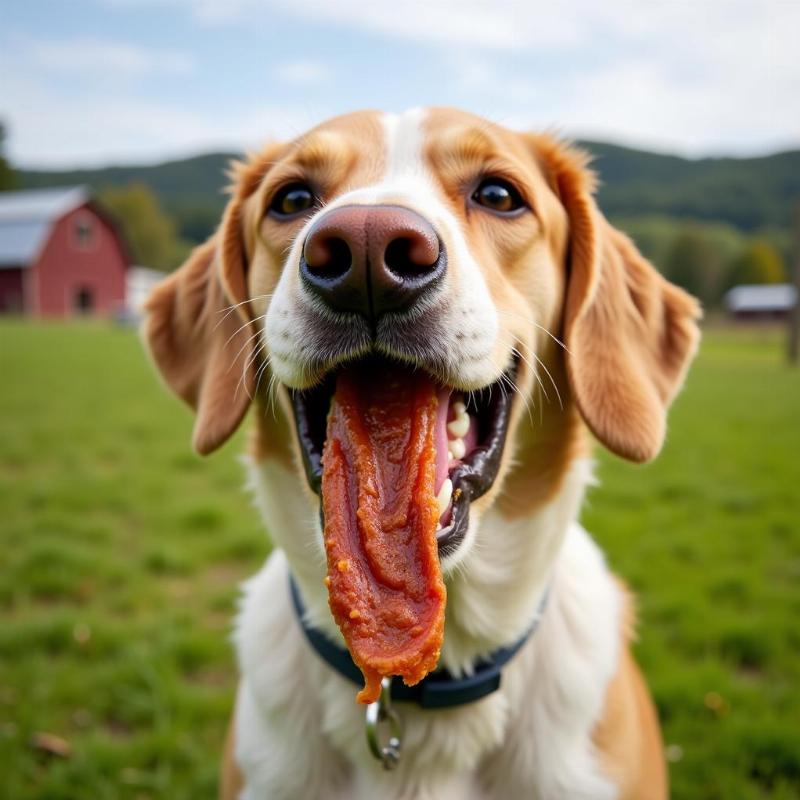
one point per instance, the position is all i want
(439, 689)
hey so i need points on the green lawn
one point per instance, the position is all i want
(120, 552)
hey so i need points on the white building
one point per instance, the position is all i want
(761, 301)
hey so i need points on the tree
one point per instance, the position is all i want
(8, 178)
(694, 264)
(759, 262)
(150, 232)
(196, 222)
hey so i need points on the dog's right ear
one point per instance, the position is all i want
(198, 324)
(630, 334)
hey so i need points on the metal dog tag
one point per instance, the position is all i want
(383, 725)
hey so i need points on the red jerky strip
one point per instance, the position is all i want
(385, 586)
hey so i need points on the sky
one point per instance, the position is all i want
(93, 82)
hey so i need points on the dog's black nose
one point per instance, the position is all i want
(371, 259)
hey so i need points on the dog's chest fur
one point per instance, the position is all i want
(300, 733)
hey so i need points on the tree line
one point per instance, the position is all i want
(709, 258)
(665, 203)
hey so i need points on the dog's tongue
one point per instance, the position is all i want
(385, 586)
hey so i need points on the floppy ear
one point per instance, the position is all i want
(630, 334)
(197, 327)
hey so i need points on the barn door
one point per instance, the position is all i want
(83, 300)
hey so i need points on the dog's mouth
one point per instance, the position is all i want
(469, 435)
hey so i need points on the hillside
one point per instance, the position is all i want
(189, 189)
(747, 193)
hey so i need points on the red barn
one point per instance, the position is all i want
(60, 254)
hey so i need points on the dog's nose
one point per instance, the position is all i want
(371, 259)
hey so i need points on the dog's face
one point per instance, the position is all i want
(443, 242)
(475, 191)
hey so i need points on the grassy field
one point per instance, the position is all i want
(120, 552)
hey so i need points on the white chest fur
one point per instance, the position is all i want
(300, 733)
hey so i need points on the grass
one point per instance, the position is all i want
(120, 552)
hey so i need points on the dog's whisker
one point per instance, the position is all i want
(228, 310)
(243, 376)
(251, 358)
(241, 328)
(530, 321)
(552, 380)
(526, 401)
(535, 372)
(272, 393)
(246, 343)
(260, 373)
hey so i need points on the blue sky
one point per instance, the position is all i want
(90, 82)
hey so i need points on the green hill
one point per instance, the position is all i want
(747, 193)
(190, 189)
(692, 217)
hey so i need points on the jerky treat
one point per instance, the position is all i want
(385, 585)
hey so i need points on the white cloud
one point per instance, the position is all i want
(508, 25)
(694, 75)
(49, 129)
(696, 78)
(514, 25)
(303, 72)
(87, 55)
(689, 73)
(505, 24)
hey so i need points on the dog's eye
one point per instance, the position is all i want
(498, 195)
(292, 200)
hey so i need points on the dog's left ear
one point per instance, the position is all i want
(198, 323)
(630, 334)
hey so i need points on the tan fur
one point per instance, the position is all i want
(628, 736)
(595, 324)
(522, 261)
(202, 350)
(270, 435)
(630, 333)
(231, 782)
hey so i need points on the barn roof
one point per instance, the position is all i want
(761, 297)
(27, 216)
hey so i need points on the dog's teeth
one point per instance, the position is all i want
(443, 498)
(459, 408)
(459, 426)
(457, 448)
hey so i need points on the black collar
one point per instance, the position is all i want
(439, 689)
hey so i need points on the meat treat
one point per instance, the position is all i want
(385, 585)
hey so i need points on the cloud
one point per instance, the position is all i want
(691, 74)
(504, 24)
(698, 76)
(302, 72)
(693, 78)
(473, 23)
(516, 25)
(100, 130)
(86, 55)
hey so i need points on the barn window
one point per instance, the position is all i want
(83, 300)
(83, 231)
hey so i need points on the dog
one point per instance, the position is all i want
(477, 255)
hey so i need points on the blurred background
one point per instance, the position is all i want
(120, 551)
